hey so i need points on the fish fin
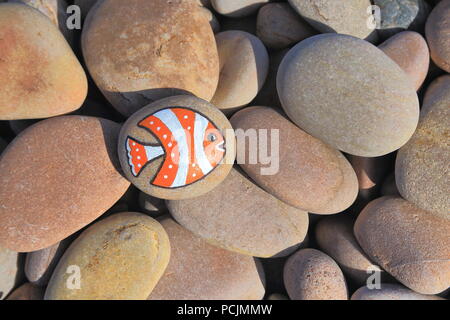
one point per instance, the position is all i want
(139, 155)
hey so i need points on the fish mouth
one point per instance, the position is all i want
(221, 146)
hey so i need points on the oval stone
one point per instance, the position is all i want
(391, 291)
(437, 30)
(244, 64)
(239, 216)
(119, 258)
(55, 178)
(409, 243)
(410, 51)
(331, 16)
(176, 148)
(10, 271)
(149, 53)
(27, 291)
(200, 271)
(349, 94)
(44, 76)
(422, 168)
(237, 8)
(303, 171)
(310, 274)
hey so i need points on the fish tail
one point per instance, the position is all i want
(139, 155)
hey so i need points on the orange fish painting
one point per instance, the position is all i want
(190, 143)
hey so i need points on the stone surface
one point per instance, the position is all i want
(334, 235)
(437, 30)
(121, 257)
(410, 51)
(239, 216)
(400, 15)
(200, 271)
(345, 17)
(244, 64)
(10, 271)
(172, 51)
(55, 178)
(27, 291)
(45, 78)
(349, 94)
(177, 148)
(303, 171)
(409, 243)
(391, 292)
(309, 274)
(422, 168)
(279, 26)
(39, 265)
(237, 8)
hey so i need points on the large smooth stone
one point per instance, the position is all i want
(304, 172)
(437, 33)
(10, 271)
(391, 292)
(400, 15)
(244, 64)
(200, 271)
(44, 76)
(27, 291)
(310, 274)
(409, 243)
(39, 265)
(239, 216)
(177, 148)
(119, 258)
(151, 51)
(55, 178)
(237, 8)
(410, 51)
(345, 17)
(349, 94)
(334, 235)
(279, 26)
(422, 168)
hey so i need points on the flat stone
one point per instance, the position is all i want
(324, 88)
(244, 64)
(177, 148)
(422, 168)
(53, 185)
(304, 172)
(390, 291)
(171, 52)
(121, 257)
(239, 216)
(310, 274)
(44, 76)
(437, 30)
(200, 271)
(409, 243)
(410, 51)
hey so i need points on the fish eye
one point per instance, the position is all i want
(211, 137)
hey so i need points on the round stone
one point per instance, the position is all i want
(302, 171)
(279, 26)
(437, 30)
(310, 274)
(349, 94)
(55, 178)
(119, 258)
(409, 243)
(422, 168)
(44, 76)
(239, 216)
(169, 137)
(410, 51)
(391, 291)
(156, 51)
(237, 8)
(244, 64)
(199, 271)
